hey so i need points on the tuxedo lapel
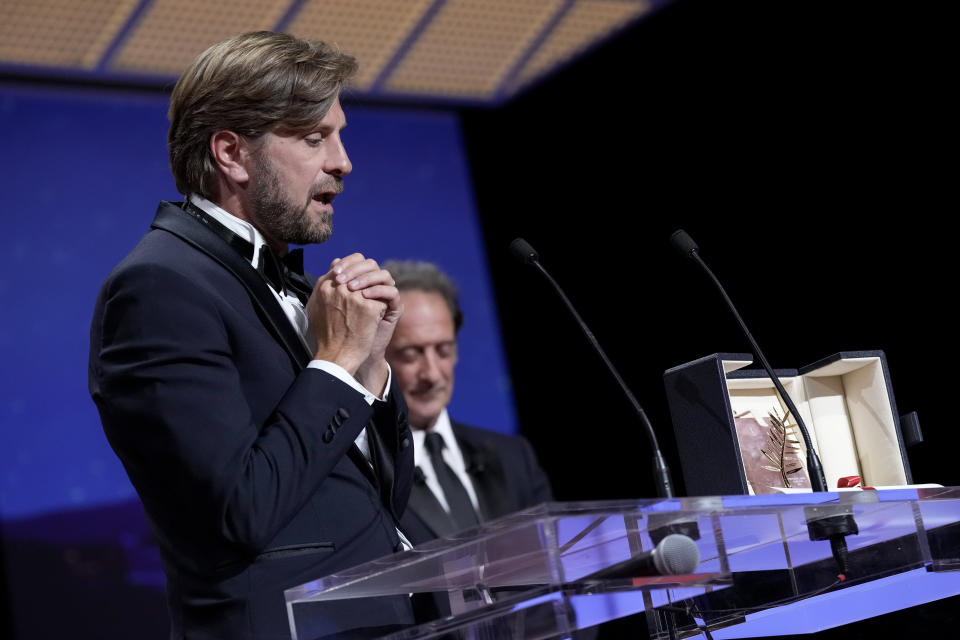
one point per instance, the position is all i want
(382, 465)
(363, 464)
(175, 220)
(487, 475)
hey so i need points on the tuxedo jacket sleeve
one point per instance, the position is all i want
(244, 459)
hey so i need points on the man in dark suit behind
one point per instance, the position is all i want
(252, 406)
(464, 475)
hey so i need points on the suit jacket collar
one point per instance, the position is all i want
(425, 506)
(486, 473)
(171, 218)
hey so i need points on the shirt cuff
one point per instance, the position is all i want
(341, 374)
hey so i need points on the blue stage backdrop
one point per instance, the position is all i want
(82, 174)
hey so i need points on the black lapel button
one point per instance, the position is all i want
(343, 414)
(328, 435)
(404, 444)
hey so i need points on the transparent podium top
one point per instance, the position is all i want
(569, 548)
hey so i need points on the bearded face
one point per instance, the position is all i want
(294, 177)
(280, 217)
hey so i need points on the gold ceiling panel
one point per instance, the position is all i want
(587, 22)
(423, 50)
(468, 47)
(173, 32)
(72, 33)
(369, 30)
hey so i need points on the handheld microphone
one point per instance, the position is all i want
(526, 254)
(675, 555)
(823, 523)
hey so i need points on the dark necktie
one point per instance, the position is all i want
(461, 509)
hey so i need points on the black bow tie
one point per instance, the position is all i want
(286, 273)
(283, 274)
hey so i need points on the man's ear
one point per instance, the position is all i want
(231, 153)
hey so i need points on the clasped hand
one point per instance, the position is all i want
(353, 311)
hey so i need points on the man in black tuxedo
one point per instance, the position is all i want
(464, 475)
(251, 405)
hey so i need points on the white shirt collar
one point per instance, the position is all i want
(420, 455)
(240, 227)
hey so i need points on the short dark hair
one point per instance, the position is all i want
(249, 84)
(424, 276)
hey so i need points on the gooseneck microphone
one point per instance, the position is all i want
(823, 523)
(675, 555)
(525, 253)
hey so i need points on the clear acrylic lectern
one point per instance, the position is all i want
(533, 574)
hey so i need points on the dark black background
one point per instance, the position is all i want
(805, 146)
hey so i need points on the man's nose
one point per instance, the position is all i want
(429, 367)
(338, 162)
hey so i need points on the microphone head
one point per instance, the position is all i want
(523, 252)
(676, 555)
(683, 243)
